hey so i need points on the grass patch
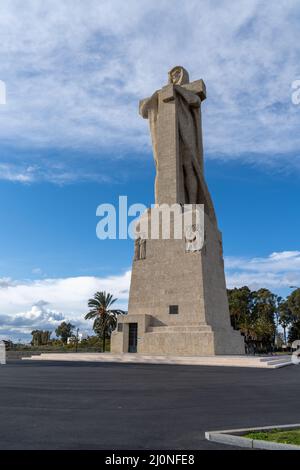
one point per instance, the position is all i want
(277, 435)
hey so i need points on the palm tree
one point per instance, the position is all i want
(105, 319)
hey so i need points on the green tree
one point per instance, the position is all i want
(247, 328)
(263, 313)
(240, 301)
(294, 332)
(40, 337)
(64, 331)
(253, 313)
(293, 302)
(105, 318)
(285, 317)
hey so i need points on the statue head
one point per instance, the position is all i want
(178, 76)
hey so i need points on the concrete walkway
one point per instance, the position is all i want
(267, 362)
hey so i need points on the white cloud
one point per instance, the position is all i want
(67, 295)
(14, 173)
(75, 72)
(40, 316)
(6, 282)
(21, 307)
(276, 271)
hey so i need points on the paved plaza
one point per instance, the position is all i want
(57, 405)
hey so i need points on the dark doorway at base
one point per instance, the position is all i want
(132, 341)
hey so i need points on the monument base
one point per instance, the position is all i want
(265, 362)
(193, 340)
(178, 302)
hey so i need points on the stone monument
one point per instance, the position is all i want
(178, 301)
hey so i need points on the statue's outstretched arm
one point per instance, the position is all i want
(191, 98)
(148, 103)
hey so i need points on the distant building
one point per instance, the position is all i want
(81, 336)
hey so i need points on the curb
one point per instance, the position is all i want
(234, 437)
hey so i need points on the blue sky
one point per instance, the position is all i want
(71, 139)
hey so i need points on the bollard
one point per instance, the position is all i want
(2, 353)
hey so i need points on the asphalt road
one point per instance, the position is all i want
(50, 405)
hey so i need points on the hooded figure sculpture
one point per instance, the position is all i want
(193, 187)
